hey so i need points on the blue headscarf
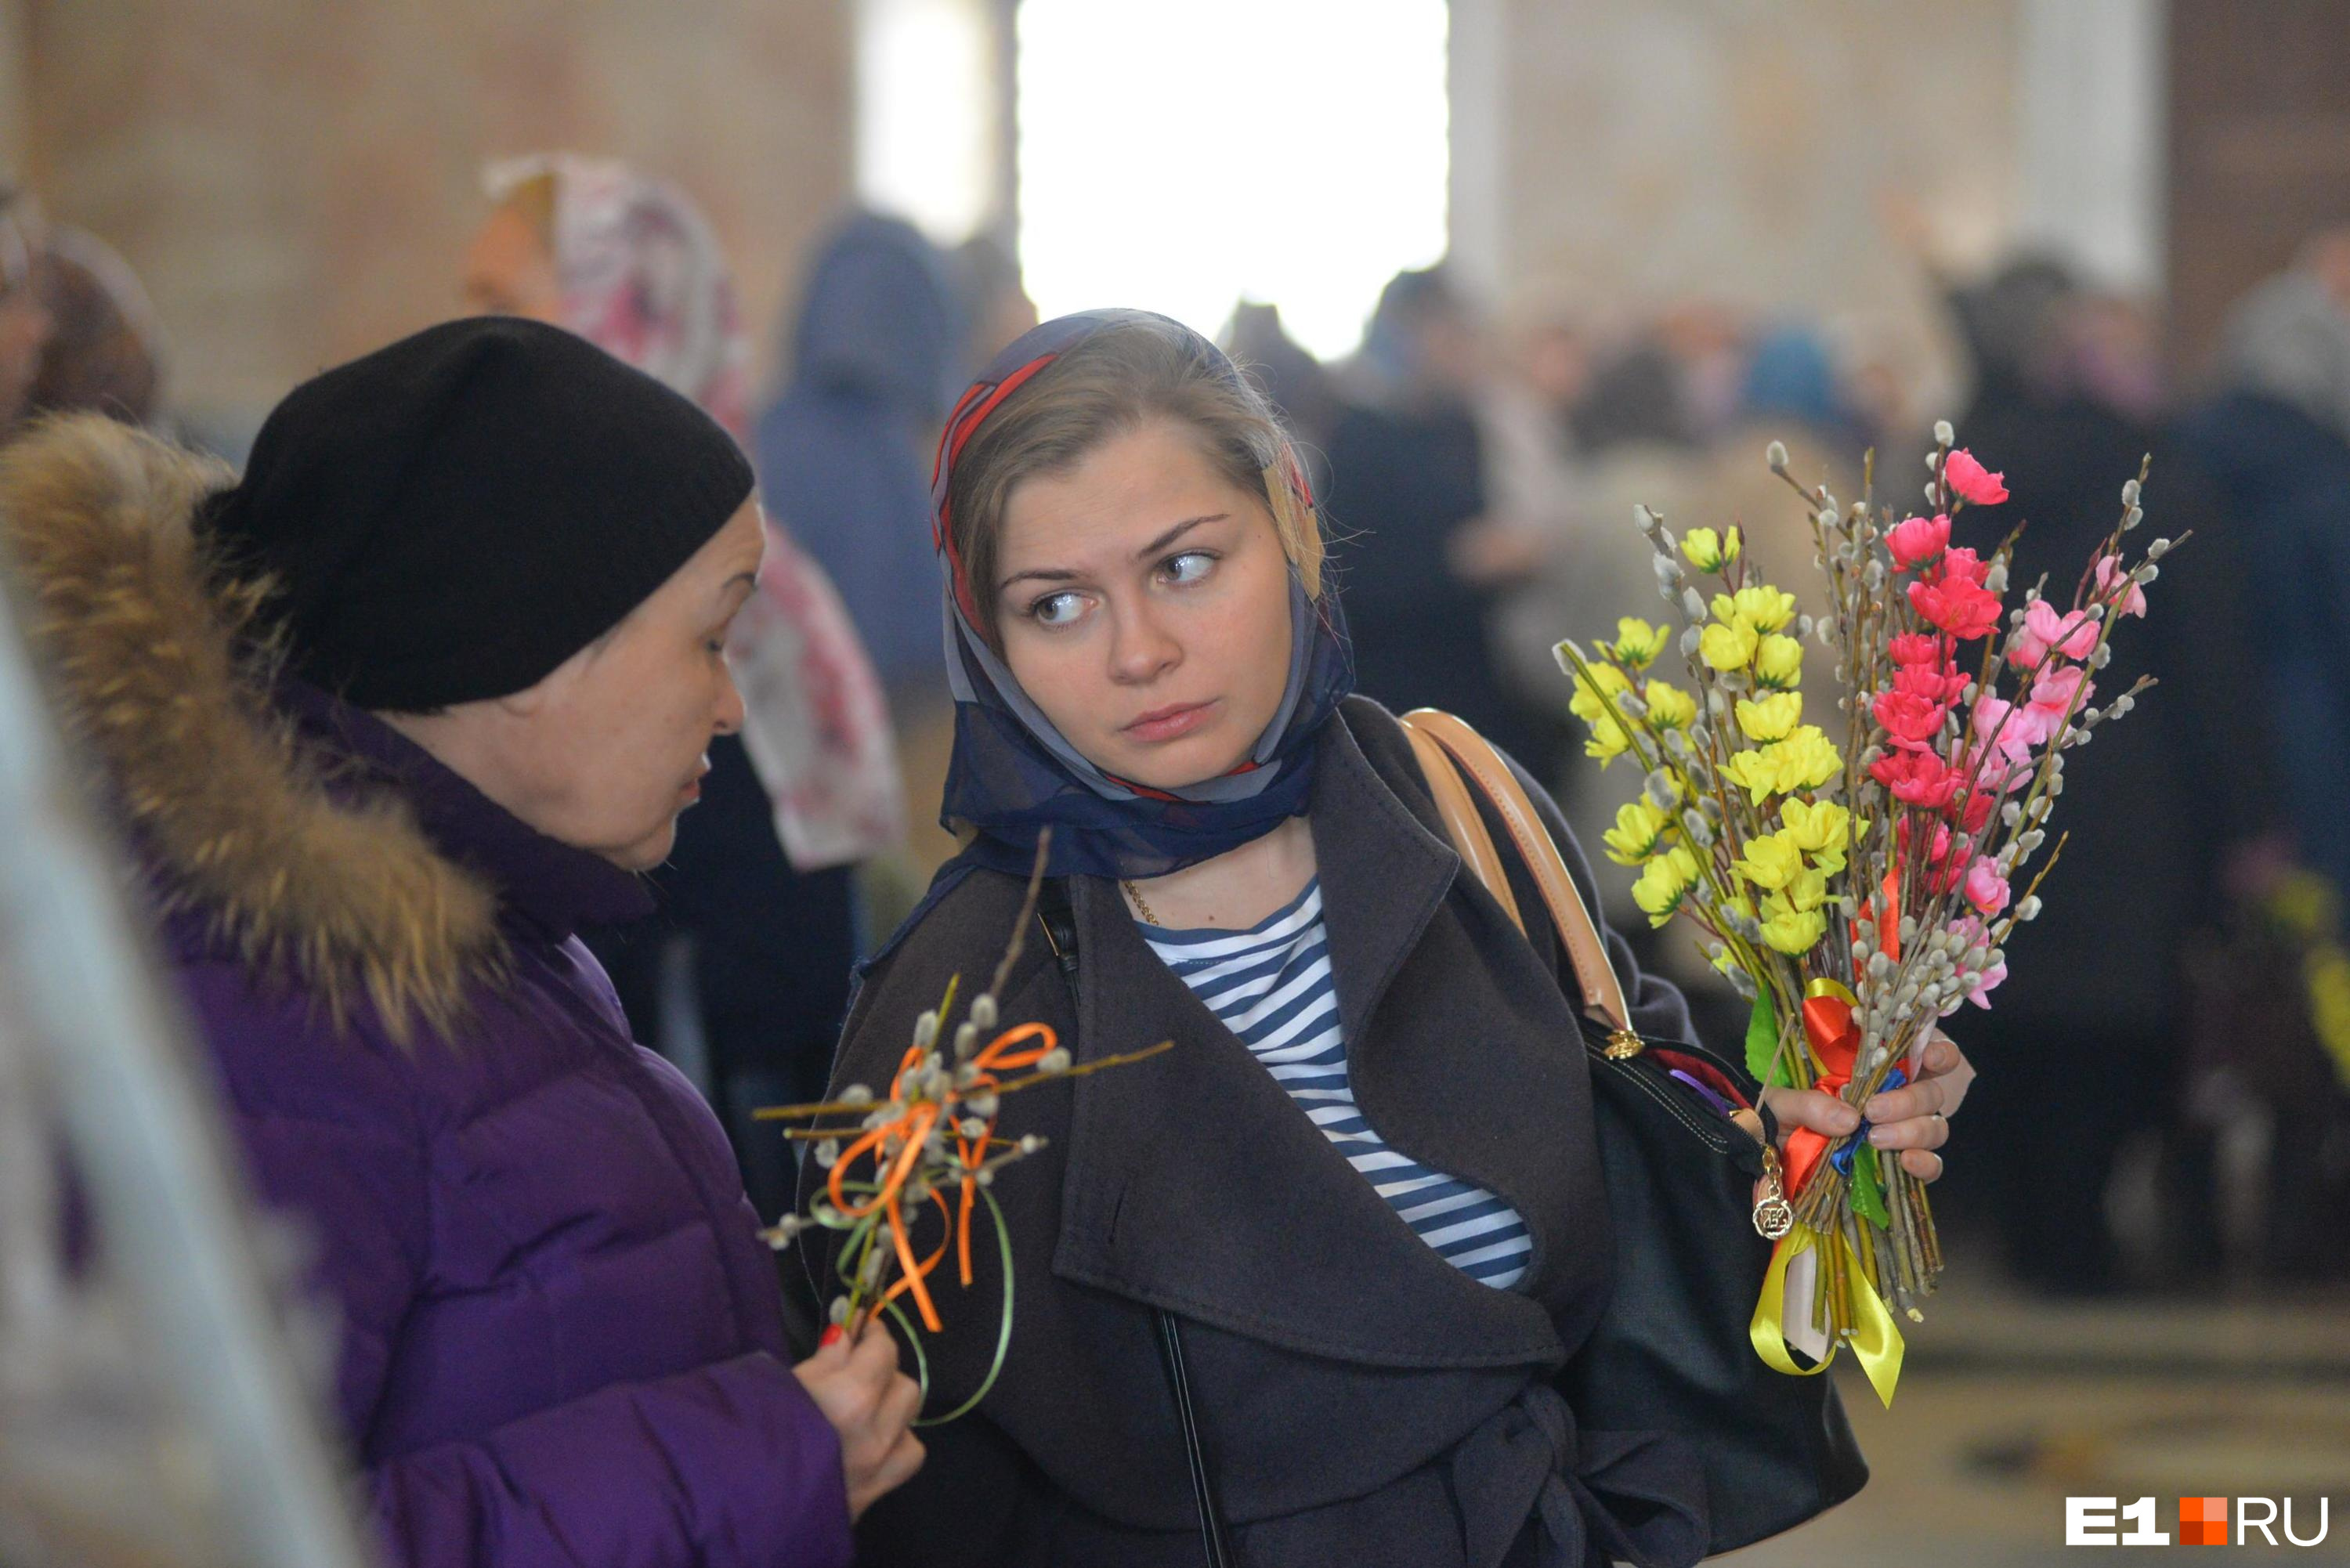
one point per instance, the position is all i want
(1015, 774)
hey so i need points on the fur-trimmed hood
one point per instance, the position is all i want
(152, 659)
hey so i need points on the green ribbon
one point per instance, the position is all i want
(1868, 1189)
(1762, 1042)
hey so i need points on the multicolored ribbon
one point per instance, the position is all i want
(1835, 1042)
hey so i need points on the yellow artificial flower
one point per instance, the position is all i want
(1771, 862)
(1770, 718)
(1664, 882)
(1640, 828)
(1753, 772)
(1708, 550)
(1603, 681)
(1804, 760)
(1778, 663)
(1728, 645)
(1821, 830)
(1807, 889)
(1607, 740)
(1637, 643)
(1670, 707)
(1788, 929)
(1816, 827)
(1759, 605)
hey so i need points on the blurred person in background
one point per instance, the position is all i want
(2274, 1056)
(25, 322)
(2084, 1046)
(2275, 438)
(1636, 399)
(1531, 547)
(1409, 467)
(1298, 384)
(991, 300)
(746, 965)
(105, 347)
(844, 454)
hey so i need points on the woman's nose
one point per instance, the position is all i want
(1140, 648)
(730, 703)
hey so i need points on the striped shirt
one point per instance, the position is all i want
(1271, 986)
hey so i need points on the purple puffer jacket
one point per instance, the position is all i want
(562, 1339)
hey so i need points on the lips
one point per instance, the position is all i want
(1171, 722)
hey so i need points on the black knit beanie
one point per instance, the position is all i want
(450, 518)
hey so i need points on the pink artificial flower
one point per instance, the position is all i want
(1971, 481)
(1919, 647)
(1986, 888)
(2073, 634)
(2052, 692)
(1935, 682)
(1916, 778)
(2109, 570)
(1975, 814)
(1917, 540)
(1966, 610)
(1965, 564)
(1910, 720)
(1971, 933)
(1999, 724)
(1991, 979)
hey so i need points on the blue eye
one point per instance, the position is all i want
(1057, 609)
(1190, 567)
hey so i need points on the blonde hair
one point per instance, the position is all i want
(1121, 377)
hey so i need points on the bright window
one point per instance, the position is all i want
(1179, 157)
(925, 117)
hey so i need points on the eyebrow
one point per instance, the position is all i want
(1063, 573)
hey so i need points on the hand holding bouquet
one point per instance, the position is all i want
(1856, 885)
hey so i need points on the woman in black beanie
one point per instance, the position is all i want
(385, 722)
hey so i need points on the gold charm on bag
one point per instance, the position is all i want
(1774, 1215)
(1622, 1043)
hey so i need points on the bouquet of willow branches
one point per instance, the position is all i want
(929, 1149)
(1854, 885)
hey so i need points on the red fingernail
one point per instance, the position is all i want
(832, 1334)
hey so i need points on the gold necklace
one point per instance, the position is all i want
(1140, 908)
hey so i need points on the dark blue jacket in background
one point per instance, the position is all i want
(843, 451)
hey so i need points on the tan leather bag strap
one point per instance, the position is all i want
(1460, 747)
(1463, 825)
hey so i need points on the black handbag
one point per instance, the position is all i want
(1671, 1352)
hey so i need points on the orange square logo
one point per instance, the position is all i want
(2202, 1521)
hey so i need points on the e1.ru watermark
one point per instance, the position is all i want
(2202, 1521)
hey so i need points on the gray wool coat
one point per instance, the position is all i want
(1362, 1401)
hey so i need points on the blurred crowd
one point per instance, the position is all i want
(2176, 1039)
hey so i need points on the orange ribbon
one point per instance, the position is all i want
(896, 1146)
(1835, 1043)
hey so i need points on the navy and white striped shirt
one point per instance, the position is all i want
(1271, 985)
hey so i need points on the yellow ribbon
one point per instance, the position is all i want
(1875, 1338)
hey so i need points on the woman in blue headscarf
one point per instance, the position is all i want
(1360, 1198)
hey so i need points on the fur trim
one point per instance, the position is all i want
(148, 654)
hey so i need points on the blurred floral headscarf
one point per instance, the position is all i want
(643, 278)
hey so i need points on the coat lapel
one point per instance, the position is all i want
(1194, 1183)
